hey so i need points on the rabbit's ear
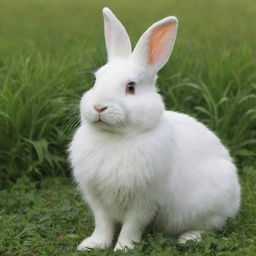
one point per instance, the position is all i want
(117, 40)
(155, 45)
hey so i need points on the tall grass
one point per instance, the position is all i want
(48, 49)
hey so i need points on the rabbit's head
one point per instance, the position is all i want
(124, 97)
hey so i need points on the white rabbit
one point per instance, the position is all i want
(136, 163)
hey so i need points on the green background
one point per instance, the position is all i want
(48, 50)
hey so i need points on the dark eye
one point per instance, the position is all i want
(130, 88)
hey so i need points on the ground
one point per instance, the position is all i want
(50, 218)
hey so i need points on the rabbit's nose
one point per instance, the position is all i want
(100, 109)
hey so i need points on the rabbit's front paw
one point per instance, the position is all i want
(125, 245)
(92, 242)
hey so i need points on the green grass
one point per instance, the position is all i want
(48, 49)
(49, 218)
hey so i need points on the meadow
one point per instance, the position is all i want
(48, 51)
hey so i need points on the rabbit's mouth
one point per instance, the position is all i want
(100, 121)
(103, 123)
(112, 119)
(105, 126)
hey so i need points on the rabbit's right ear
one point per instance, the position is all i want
(117, 40)
(155, 45)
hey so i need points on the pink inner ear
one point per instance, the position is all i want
(159, 43)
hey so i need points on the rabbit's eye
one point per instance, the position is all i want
(130, 88)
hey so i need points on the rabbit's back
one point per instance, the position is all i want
(203, 188)
(193, 139)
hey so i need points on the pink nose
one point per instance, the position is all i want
(100, 109)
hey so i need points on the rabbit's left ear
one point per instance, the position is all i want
(155, 45)
(117, 40)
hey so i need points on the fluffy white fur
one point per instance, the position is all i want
(139, 165)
